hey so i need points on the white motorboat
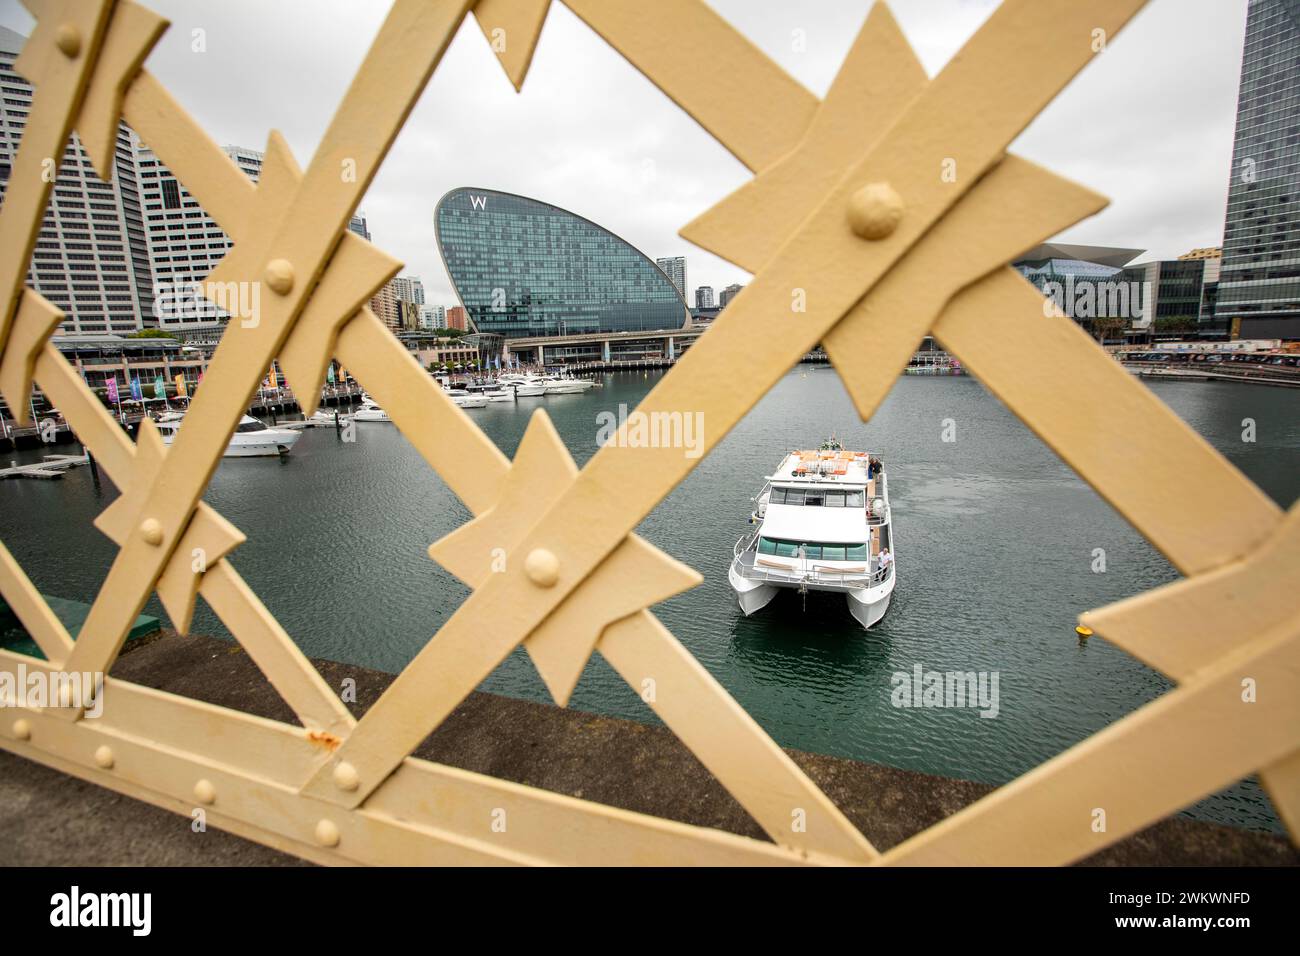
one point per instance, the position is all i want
(370, 411)
(328, 416)
(252, 439)
(465, 399)
(824, 524)
(523, 386)
(555, 385)
(492, 392)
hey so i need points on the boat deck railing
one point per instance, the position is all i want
(745, 563)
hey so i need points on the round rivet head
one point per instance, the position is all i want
(205, 792)
(22, 730)
(542, 567)
(279, 276)
(346, 777)
(875, 210)
(327, 833)
(151, 530)
(104, 757)
(68, 39)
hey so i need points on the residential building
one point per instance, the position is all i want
(91, 258)
(704, 297)
(729, 293)
(675, 269)
(185, 245)
(358, 225)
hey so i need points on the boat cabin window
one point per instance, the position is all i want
(812, 550)
(817, 497)
(251, 427)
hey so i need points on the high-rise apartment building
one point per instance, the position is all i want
(675, 269)
(433, 317)
(704, 297)
(409, 289)
(729, 293)
(185, 244)
(1259, 285)
(91, 257)
(387, 306)
(457, 318)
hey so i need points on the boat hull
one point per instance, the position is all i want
(868, 612)
(751, 595)
(263, 449)
(269, 444)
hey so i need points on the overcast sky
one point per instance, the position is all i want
(1148, 124)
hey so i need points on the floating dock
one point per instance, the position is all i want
(72, 614)
(51, 466)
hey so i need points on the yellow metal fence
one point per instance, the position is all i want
(887, 210)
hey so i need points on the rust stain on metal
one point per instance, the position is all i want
(324, 739)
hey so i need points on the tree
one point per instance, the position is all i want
(1105, 327)
(150, 334)
(1177, 323)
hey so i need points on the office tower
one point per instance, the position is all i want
(1259, 285)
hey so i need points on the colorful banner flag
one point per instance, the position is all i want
(275, 381)
(329, 374)
(137, 393)
(160, 387)
(180, 386)
(112, 391)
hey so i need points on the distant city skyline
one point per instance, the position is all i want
(590, 134)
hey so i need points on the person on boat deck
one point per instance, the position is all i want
(885, 560)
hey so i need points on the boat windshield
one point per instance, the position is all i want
(812, 550)
(818, 497)
(253, 426)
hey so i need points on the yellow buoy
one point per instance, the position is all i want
(1083, 630)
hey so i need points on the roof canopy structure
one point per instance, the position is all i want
(1099, 255)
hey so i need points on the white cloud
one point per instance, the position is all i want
(1149, 124)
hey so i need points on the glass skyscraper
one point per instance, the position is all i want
(1259, 286)
(527, 268)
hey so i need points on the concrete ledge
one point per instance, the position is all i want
(48, 819)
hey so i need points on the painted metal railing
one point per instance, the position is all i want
(806, 572)
(887, 210)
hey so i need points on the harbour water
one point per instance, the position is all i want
(996, 544)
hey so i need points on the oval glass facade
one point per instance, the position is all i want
(525, 268)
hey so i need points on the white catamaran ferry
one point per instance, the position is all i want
(824, 525)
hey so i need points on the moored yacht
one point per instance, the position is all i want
(824, 524)
(252, 439)
(522, 385)
(555, 385)
(465, 399)
(492, 392)
(369, 411)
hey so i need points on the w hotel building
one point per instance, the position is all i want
(524, 268)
